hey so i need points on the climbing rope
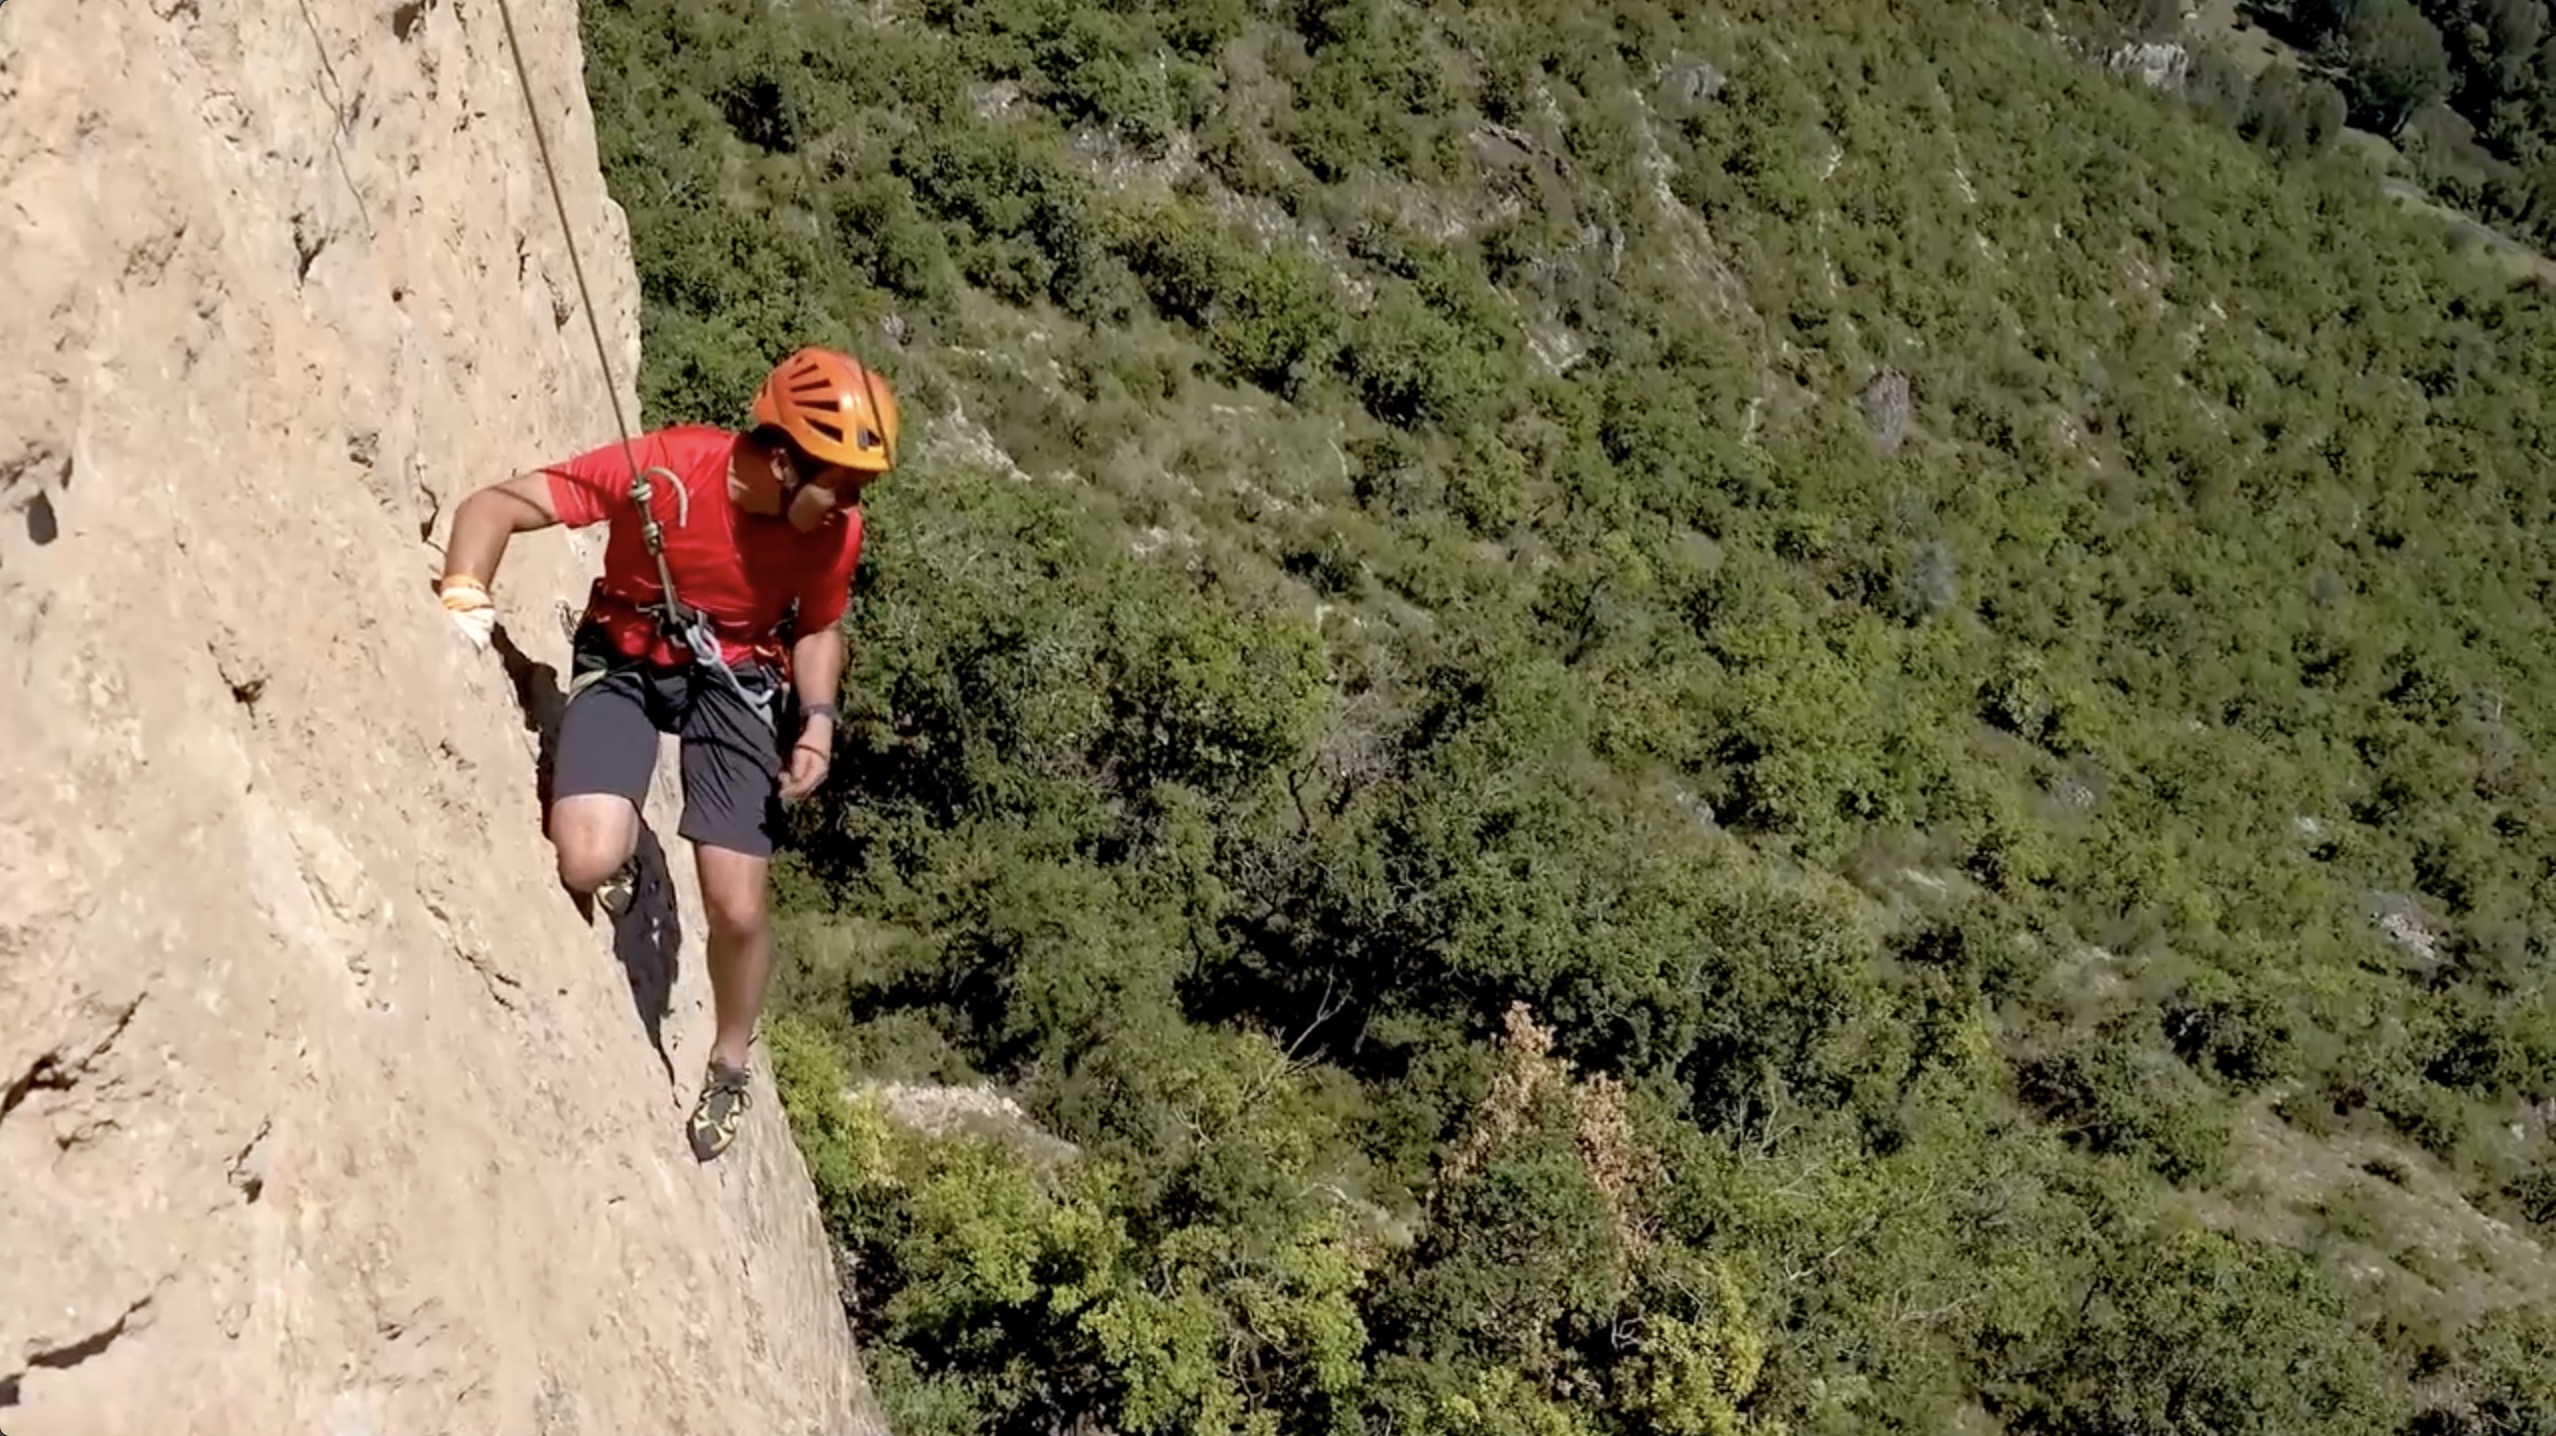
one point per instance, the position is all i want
(567, 233)
(688, 624)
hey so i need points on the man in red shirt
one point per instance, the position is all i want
(757, 534)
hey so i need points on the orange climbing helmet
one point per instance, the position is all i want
(833, 407)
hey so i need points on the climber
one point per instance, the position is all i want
(756, 535)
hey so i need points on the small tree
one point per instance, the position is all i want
(2393, 63)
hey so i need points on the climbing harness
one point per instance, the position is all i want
(687, 625)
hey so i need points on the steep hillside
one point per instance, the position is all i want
(320, 1108)
(1643, 717)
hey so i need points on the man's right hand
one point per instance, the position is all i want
(472, 610)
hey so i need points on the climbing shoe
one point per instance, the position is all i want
(721, 1107)
(617, 891)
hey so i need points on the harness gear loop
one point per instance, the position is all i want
(688, 626)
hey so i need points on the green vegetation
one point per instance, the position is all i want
(2466, 89)
(1680, 721)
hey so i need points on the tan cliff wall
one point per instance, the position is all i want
(321, 1108)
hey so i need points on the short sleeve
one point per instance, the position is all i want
(829, 589)
(587, 489)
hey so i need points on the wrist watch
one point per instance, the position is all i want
(827, 711)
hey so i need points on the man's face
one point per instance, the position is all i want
(817, 490)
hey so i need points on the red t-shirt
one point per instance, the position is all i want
(742, 570)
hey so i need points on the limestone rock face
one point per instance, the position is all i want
(322, 1109)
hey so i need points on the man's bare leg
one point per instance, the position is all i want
(733, 891)
(593, 834)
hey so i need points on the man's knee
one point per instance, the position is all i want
(736, 909)
(732, 892)
(593, 834)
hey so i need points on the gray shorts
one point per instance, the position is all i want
(731, 753)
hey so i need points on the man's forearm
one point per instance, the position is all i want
(487, 518)
(816, 667)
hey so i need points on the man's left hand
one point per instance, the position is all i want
(808, 765)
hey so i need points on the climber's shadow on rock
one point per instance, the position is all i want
(538, 694)
(645, 936)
